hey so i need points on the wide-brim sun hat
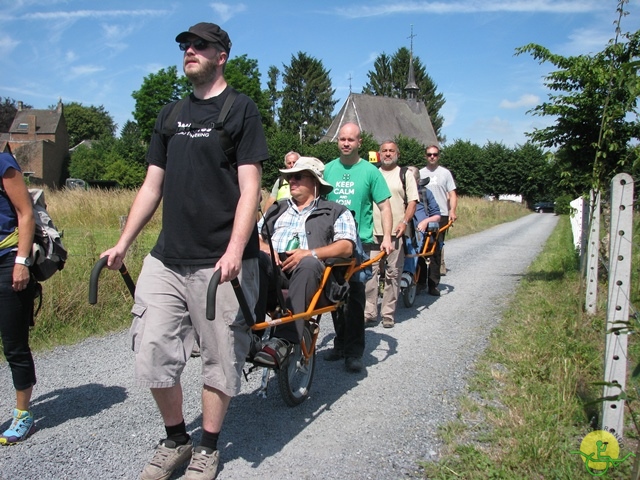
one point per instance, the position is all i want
(313, 166)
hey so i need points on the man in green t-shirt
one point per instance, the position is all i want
(357, 184)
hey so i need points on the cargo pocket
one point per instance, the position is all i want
(137, 326)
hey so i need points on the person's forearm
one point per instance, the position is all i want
(143, 208)
(245, 221)
(340, 248)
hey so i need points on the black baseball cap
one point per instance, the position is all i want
(209, 32)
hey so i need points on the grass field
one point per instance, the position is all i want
(529, 403)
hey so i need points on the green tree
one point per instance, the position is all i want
(389, 78)
(539, 179)
(307, 97)
(8, 110)
(411, 151)
(242, 74)
(87, 163)
(594, 104)
(87, 123)
(468, 165)
(130, 145)
(280, 142)
(156, 91)
(110, 158)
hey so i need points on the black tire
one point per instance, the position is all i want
(409, 295)
(296, 374)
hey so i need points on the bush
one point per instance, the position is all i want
(563, 206)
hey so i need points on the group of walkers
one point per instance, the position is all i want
(205, 165)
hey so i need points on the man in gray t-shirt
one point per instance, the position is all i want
(443, 187)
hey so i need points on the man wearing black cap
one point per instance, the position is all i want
(210, 194)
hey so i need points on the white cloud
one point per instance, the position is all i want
(369, 60)
(70, 56)
(85, 70)
(81, 14)
(472, 6)
(7, 44)
(526, 100)
(587, 41)
(116, 32)
(226, 11)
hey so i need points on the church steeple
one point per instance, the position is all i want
(411, 88)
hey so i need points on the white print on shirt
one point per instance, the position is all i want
(185, 129)
(343, 190)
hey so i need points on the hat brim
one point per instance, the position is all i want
(325, 187)
(184, 36)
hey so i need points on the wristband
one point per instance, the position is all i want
(26, 261)
(314, 254)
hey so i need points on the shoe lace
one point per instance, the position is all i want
(160, 455)
(20, 425)
(199, 461)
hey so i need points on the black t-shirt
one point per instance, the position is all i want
(201, 189)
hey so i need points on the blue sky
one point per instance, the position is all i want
(98, 53)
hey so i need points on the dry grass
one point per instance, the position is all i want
(91, 222)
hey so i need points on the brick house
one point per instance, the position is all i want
(40, 142)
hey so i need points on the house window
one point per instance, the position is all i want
(23, 126)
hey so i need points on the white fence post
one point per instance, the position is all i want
(621, 239)
(579, 217)
(593, 252)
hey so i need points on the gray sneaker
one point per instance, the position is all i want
(204, 464)
(167, 457)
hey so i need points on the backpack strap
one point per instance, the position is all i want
(403, 179)
(225, 140)
(169, 127)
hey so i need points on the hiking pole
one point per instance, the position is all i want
(95, 275)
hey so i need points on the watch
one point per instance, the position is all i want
(26, 261)
(314, 254)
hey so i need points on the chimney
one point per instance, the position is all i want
(59, 107)
(20, 105)
(31, 120)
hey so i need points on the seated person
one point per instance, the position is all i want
(427, 211)
(324, 230)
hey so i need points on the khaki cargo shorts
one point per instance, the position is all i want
(169, 315)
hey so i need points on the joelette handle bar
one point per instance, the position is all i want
(211, 298)
(95, 275)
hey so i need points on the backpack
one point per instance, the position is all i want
(169, 130)
(48, 253)
(403, 179)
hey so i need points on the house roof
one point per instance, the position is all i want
(384, 118)
(46, 121)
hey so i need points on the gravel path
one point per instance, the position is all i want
(94, 423)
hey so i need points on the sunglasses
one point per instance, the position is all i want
(297, 177)
(197, 45)
(432, 154)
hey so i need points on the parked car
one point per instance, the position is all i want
(542, 207)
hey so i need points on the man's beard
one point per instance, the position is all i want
(205, 74)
